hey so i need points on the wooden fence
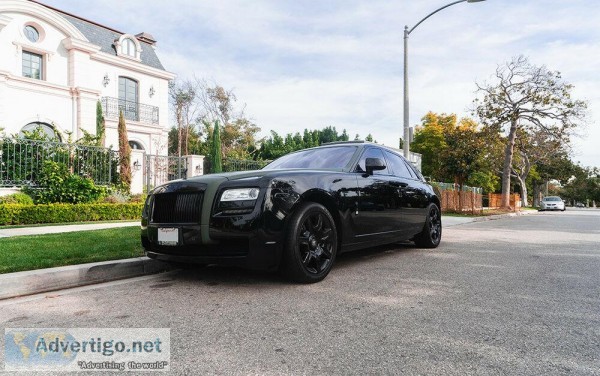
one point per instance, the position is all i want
(495, 201)
(461, 201)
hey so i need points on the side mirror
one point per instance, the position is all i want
(374, 164)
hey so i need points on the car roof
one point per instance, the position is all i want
(361, 142)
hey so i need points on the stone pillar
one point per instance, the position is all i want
(137, 171)
(195, 165)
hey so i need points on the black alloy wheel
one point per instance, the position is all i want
(431, 235)
(311, 244)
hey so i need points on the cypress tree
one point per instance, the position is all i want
(124, 155)
(217, 165)
(99, 124)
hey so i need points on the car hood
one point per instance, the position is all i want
(214, 180)
(257, 174)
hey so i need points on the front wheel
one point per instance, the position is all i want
(311, 244)
(431, 235)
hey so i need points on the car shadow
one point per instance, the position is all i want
(213, 275)
(355, 257)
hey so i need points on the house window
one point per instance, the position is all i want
(31, 33)
(135, 145)
(128, 47)
(32, 65)
(128, 98)
(44, 129)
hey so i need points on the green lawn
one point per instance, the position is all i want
(45, 251)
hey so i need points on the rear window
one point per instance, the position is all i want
(335, 157)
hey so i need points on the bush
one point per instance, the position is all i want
(116, 197)
(16, 198)
(58, 185)
(15, 214)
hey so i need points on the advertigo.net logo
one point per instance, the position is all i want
(89, 349)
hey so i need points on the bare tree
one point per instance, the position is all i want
(529, 98)
(533, 149)
(183, 96)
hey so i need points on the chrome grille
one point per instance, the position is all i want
(177, 207)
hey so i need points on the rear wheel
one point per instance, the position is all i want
(431, 235)
(311, 244)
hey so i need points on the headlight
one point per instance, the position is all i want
(240, 194)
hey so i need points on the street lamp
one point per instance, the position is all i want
(407, 31)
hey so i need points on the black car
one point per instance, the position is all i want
(296, 214)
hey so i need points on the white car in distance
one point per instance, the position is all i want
(552, 203)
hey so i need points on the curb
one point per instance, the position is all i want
(31, 282)
(500, 216)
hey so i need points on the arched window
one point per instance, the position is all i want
(135, 145)
(45, 129)
(128, 47)
(128, 98)
(31, 33)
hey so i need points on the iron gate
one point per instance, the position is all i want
(160, 169)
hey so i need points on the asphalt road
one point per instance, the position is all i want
(515, 296)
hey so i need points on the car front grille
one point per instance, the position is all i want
(177, 207)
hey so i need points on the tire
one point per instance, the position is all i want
(431, 235)
(311, 244)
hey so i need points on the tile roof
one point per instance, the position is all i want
(105, 37)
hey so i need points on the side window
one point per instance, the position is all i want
(414, 171)
(398, 166)
(372, 153)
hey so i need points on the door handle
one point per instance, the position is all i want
(398, 184)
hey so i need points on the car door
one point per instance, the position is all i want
(379, 214)
(413, 198)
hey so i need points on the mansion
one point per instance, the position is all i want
(55, 67)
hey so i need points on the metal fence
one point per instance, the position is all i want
(243, 164)
(456, 187)
(160, 169)
(21, 161)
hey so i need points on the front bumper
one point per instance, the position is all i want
(251, 240)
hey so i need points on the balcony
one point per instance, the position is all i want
(143, 113)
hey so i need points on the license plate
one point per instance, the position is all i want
(168, 236)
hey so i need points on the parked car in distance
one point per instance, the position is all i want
(552, 203)
(579, 205)
(296, 214)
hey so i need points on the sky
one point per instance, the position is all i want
(300, 64)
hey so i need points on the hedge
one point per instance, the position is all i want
(15, 214)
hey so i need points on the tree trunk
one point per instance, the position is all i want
(508, 155)
(524, 201)
(179, 121)
(536, 194)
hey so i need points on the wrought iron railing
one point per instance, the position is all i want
(160, 169)
(144, 113)
(456, 187)
(21, 161)
(242, 164)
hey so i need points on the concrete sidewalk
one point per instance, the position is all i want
(39, 230)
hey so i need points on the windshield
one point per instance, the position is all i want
(335, 157)
(552, 199)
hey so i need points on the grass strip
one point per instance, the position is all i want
(20, 253)
(67, 223)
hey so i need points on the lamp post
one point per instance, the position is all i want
(407, 32)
